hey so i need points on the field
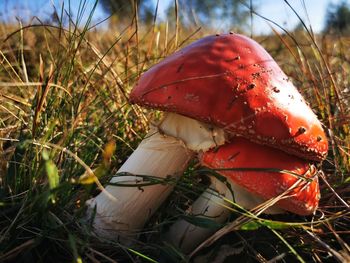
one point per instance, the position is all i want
(65, 120)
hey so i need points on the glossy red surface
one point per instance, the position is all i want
(241, 153)
(230, 81)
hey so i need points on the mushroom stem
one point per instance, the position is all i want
(285, 181)
(125, 214)
(213, 204)
(164, 153)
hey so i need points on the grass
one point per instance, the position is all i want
(64, 113)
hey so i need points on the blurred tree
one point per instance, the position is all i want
(125, 9)
(231, 13)
(338, 18)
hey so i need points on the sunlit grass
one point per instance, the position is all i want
(64, 108)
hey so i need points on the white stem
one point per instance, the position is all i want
(211, 205)
(158, 155)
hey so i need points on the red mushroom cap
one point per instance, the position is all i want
(241, 153)
(231, 82)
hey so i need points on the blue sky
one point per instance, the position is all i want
(275, 10)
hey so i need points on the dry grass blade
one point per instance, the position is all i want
(43, 90)
(89, 171)
(16, 99)
(337, 255)
(177, 21)
(16, 251)
(102, 255)
(334, 192)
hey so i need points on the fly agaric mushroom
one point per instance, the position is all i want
(289, 169)
(265, 172)
(228, 83)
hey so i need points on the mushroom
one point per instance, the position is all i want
(283, 172)
(288, 182)
(215, 88)
(231, 82)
